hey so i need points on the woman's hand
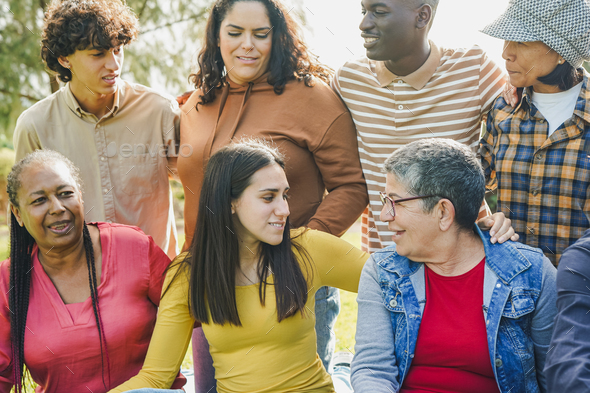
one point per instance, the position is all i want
(499, 226)
(511, 94)
(183, 98)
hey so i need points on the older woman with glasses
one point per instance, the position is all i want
(444, 309)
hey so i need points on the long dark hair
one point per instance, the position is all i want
(289, 59)
(21, 264)
(564, 76)
(214, 253)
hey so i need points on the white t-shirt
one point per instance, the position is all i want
(557, 107)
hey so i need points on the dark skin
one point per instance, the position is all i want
(49, 195)
(396, 32)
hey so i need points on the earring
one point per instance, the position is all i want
(560, 61)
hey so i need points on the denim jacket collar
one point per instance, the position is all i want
(505, 260)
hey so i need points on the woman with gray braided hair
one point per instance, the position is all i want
(81, 299)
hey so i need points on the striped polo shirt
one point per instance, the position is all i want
(447, 97)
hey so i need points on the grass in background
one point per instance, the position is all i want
(345, 328)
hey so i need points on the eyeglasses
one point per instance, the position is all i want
(389, 203)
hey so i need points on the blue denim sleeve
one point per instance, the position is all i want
(568, 362)
(542, 326)
(373, 367)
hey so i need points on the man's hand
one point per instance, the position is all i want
(511, 94)
(499, 226)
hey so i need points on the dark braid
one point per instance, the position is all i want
(21, 247)
(94, 296)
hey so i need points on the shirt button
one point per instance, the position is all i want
(102, 158)
(399, 82)
(535, 192)
(412, 356)
(400, 107)
(109, 221)
(488, 322)
(498, 362)
(393, 303)
(105, 190)
(498, 285)
(539, 157)
(532, 231)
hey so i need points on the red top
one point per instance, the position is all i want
(62, 349)
(452, 350)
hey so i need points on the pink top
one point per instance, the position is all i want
(62, 349)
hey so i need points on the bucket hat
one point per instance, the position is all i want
(563, 25)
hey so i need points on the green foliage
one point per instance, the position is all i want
(6, 162)
(169, 32)
(21, 70)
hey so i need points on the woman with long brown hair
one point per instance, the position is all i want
(256, 77)
(250, 281)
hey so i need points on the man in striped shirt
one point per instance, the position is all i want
(408, 88)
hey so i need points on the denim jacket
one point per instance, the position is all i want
(519, 308)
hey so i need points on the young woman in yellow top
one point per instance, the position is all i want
(251, 283)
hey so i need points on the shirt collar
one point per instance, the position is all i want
(583, 104)
(73, 104)
(582, 109)
(416, 79)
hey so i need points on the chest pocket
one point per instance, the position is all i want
(514, 333)
(520, 303)
(138, 173)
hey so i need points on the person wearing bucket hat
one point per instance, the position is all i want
(536, 154)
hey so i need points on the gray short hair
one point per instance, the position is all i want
(444, 168)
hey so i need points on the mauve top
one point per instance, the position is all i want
(62, 349)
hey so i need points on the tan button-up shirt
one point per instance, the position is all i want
(125, 157)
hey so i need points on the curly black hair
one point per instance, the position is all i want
(73, 25)
(290, 58)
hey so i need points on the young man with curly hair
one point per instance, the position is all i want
(121, 135)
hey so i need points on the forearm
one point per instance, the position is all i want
(373, 368)
(567, 366)
(169, 340)
(340, 209)
(337, 159)
(542, 325)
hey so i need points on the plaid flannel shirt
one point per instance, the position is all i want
(542, 183)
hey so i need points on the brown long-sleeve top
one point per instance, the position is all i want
(310, 125)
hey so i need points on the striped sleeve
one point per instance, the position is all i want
(491, 82)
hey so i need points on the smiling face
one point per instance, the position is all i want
(413, 228)
(50, 206)
(261, 212)
(95, 72)
(245, 41)
(389, 28)
(527, 61)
